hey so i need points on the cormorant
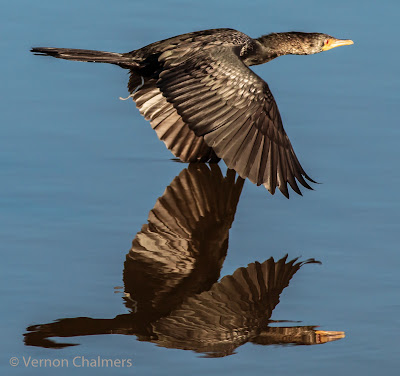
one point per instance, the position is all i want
(205, 103)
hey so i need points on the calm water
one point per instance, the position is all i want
(81, 171)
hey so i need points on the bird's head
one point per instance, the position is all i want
(299, 43)
(312, 43)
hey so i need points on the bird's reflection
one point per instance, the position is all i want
(171, 274)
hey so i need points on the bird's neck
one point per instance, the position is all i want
(274, 45)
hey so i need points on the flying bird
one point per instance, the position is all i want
(206, 104)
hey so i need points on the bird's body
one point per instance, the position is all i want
(205, 103)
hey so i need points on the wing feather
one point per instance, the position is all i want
(168, 124)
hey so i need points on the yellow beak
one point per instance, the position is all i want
(332, 43)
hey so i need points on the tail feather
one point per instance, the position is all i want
(86, 55)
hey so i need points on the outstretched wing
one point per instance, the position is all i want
(169, 126)
(222, 100)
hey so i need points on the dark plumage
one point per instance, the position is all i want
(205, 103)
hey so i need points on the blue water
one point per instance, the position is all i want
(81, 170)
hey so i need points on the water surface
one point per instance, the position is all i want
(81, 170)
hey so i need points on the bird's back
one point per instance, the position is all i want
(192, 42)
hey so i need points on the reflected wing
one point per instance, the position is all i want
(169, 126)
(181, 249)
(233, 311)
(225, 102)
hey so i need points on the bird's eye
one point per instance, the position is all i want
(326, 41)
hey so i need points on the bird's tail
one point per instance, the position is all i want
(86, 55)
